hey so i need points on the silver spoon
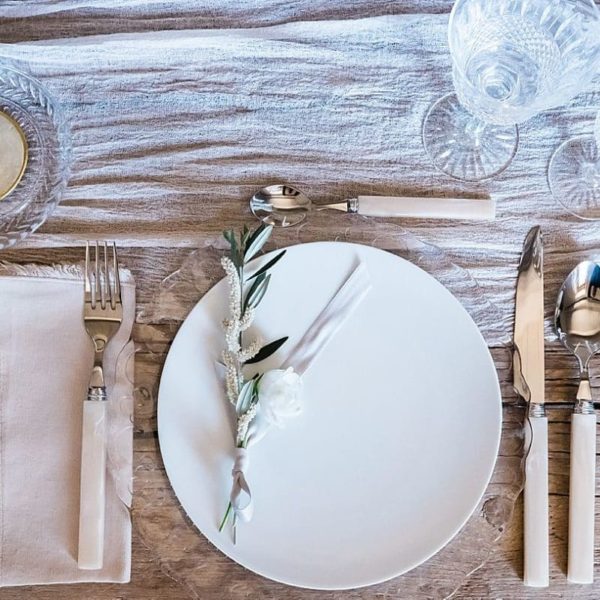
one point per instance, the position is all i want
(284, 206)
(577, 322)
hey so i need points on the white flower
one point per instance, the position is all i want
(279, 395)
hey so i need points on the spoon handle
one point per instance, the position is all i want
(582, 498)
(536, 503)
(425, 208)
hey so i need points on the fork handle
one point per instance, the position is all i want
(93, 477)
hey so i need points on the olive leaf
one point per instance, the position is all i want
(268, 266)
(254, 234)
(257, 291)
(267, 351)
(244, 236)
(245, 397)
(229, 235)
(256, 241)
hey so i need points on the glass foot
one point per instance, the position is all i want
(465, 147)
(574, 177)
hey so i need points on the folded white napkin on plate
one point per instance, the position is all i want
(45, 363)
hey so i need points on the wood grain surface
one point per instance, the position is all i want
(181, 110)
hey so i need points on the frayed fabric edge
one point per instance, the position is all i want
(57, 271)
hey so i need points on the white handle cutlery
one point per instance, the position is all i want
(528, 371)
(577, 323)
(582, 499)
(102, 316)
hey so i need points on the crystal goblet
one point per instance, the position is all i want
(510, 60)
(574, 175)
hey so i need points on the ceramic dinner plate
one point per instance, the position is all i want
(394, 448)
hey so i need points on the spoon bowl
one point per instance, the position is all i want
(280, 205)
(577, 316)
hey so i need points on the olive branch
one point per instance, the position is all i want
(245, 295)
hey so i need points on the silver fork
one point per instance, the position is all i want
(102, 317)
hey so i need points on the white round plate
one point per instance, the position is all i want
(393, 451)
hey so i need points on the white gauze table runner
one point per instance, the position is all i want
(45, 363)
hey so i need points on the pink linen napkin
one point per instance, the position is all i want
(45, 363)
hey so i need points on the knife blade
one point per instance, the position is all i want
(529, 321)
(528, 381)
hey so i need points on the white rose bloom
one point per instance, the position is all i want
(279, 395)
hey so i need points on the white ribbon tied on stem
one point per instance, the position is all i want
(338, 310)
(241, 498)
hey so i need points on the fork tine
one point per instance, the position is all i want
(117, 275)
(86, 280)
(106, 290)
(97, 285)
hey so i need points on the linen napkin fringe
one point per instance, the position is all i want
(74, 271)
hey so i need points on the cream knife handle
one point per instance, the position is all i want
(582, 495)
(536, 503)
(92, 486)
(424, 208)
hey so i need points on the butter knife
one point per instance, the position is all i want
(528, 370)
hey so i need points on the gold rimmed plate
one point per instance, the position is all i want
(14, 154)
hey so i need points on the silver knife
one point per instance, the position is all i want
(528, 369)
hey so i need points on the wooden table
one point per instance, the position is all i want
(180, 110)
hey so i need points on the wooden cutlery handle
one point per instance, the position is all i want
(92, 486)
(582, 495)
(536, 503)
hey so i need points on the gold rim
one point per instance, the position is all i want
(21, 133)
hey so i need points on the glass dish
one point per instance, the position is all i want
(42, 121)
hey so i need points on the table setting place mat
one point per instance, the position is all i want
(45, 363)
